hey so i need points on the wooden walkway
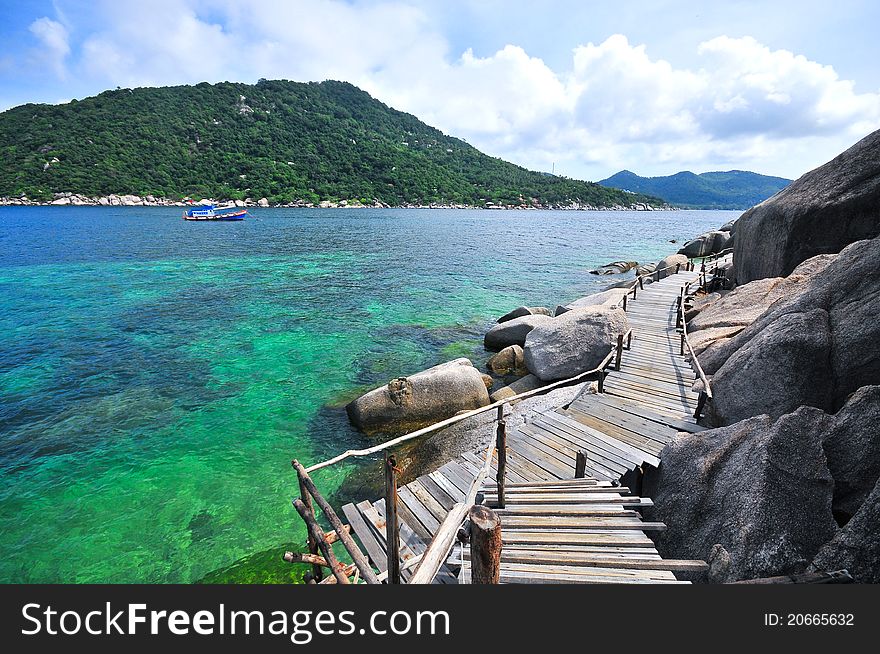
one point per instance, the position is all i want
(556, 529)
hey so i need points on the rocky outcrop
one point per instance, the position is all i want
(519, 312)
(706, 244)
(742, 306)
(611, 297)
(856, 547)
(819, 344)
(820, 213)
(666, 266)
(512, 332)
(760, 490)
(508, 361)
(615, 268)
(409, 403)
(852, 446)
(574, 342)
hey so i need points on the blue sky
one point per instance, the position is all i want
(587, 87)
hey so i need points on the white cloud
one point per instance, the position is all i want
(738, 104)
(53, 38)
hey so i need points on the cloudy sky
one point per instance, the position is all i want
(590, 86)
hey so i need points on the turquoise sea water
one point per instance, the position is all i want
(157, 376)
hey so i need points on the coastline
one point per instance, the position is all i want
(130, 200)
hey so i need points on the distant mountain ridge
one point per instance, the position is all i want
(733, 189)
(285, 141)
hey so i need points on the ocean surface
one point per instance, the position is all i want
(157, 376)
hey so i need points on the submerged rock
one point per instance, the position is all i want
(820, 213)
(512, 332)
(409, 403)
(574, 342)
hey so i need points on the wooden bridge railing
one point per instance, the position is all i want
(430, 561)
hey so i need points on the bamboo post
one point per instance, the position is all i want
(485, 545)
(392, 529)
(335, 567)
(619, 352)
(580, 465)
(356, 555)
(317, 573)
(501, 446)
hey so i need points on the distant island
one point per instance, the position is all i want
(734, 189)
(272, 143)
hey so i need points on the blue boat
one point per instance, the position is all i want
(208, 212)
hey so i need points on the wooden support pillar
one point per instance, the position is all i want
(485, 545)
(392, 528)
(318, 534)
(306, 497)
(701, 403)
(501, 447)
(580, 465)
(356, 555)
(619, 352)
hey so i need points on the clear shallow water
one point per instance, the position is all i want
(157, 376)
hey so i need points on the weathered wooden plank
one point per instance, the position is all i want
(375, 550)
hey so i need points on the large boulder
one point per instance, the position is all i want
(852, 446)
(512, 332)
(574, 342)
(760, 490)
(519, 312)
(666, 266)
(611, 297)
(409, 403)
(706, 244)
(508, 361)
(820, 344)
(821, 212)
(856, 547)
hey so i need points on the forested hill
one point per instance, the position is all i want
(734, 189)
(285, 141)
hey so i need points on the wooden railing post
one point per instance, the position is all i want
(485, 545)
(317, 533)
(317, 572)
(701, 402)
(580, 465)
(682, 344)
(501, 473)
(629, 340)
(602, 381)
(635, 289)
(678, 305)
(619, 352)
(624, 301)
(356, 555)
(641, 284)
(392, 529)
(677, 268)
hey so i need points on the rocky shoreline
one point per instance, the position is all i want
(113, 200)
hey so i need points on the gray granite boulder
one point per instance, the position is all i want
(519, 312)
(760, 490)
(522, 385)
(615, 268)
(705, 244)
(856, 547)
(852, 446)
(508, 361)
(512, 332)
(820, 213)
(409, 403)
(666, 265)
(574, 342)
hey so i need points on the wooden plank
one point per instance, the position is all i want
(428, 520)
(595, 560)
(598, 435)
(446, 500)
(561, 522)
(595, 439)
(685, 424)
(375, 550)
